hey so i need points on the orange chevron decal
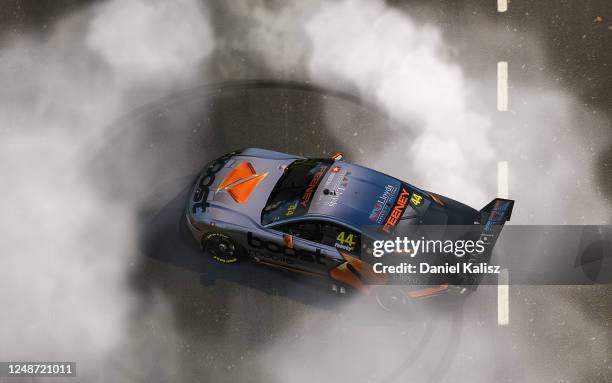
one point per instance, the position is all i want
(242, 191)
(241, 182)
(239, 172)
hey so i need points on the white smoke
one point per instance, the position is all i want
(449, 137)
(151, 40)
(405, 68)
(402, 67)
(66, 248)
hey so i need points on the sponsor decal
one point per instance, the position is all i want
(383, 204)
(338, 191)
(281, 253)
(397, 211)
(241, 182)
(291, 209)
(346, 241)
(334, 187)
(208, 178)
(416, 199)
(312, 186)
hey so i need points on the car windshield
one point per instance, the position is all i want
(294, 191)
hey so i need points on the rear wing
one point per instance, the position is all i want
(492, 220)
(493, 217)
(497, 212)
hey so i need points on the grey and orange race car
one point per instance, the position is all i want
(320, 216)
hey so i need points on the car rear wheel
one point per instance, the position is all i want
(222, 248)
(391, 298)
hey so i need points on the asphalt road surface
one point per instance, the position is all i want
(229, 316)
(248, 323)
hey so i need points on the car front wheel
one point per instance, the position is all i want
(222, 248)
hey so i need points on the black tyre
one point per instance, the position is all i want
(222, 248)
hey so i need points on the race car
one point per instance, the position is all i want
(320, 217)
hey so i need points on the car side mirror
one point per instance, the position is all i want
(288, 238)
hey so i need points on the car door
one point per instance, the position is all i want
(317, 243)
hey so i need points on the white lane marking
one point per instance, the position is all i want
(502, 179)
(502, 86)
(503, 298)
(503, 290)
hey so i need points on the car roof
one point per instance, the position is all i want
(349, 193)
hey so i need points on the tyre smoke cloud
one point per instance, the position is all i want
(449, 136)
(62, 91)
(67, 247)
(446, 137)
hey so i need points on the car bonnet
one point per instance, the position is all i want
(245, 183)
